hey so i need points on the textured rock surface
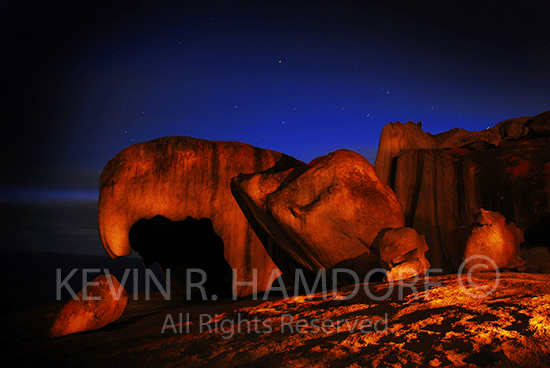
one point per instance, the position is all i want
(441, 189)
(540, 123)
(103, 303)
(325, 214)
(537, 260)
(492, 237)
(181, 177)
(397, 138)
(446, 327)
(402, 252)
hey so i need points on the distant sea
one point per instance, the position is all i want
(29, 279)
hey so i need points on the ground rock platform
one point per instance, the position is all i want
(488, 321)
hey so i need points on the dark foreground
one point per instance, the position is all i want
(444, 327)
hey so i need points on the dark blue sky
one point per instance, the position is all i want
(84, 80)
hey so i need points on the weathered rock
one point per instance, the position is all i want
(396, 138)
(325, 214)
(455, 245)
(182, 177)
(441, 189)
(512, 128)
(540, 123)
(426, 184)
(491, 237)
(402, 252)
(103, 302)
(464, 138)
(537, 260)
(538, 233)
(444, 321)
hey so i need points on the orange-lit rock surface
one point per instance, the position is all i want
(402, 252)
(396, 138)
(102, 303)
(448, 326)
(325, 214)
(441, 189)
(490, 236)
(181, 177)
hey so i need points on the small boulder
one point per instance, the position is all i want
(492, 237)
(402, 252)
(104, 303)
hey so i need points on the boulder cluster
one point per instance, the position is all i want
(448, 182)
(430, 201)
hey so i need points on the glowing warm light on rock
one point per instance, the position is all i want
(181, 177)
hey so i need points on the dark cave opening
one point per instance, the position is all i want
(182, 245)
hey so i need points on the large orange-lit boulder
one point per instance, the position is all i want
(492, 241)
(182, 177)
(325, 214)
(103, 302)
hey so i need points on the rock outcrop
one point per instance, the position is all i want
(539, 124)
(442, 183)
(443, 321)
(103, 303)
(325, 214)
(397, 138)
(182, 177)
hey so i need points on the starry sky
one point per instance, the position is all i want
(82, 81)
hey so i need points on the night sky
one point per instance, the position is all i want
(81, 81)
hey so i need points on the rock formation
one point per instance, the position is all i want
(441, 322)
(325, 214)
(443, 182)
(103, 303)
(402, 252)
(489, 236)
(397, 138)
(182, 177)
